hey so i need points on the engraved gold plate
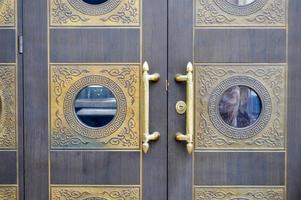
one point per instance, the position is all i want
(78, 13)
(8, 192)
(222, 13)
(68, 132)
(8, 137)
(267, 132)
(239, 193)
(7, 12)
(95, 193)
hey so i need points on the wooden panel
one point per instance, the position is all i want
(95, 192)
(8, 167)
(154, 184)
(261, 13)
(180, 37)
(94, 45)
(247, 45)
(241, 168)
(67, 132)
(294, 99)
(36, 100)
(79, 13)
(239, 193)
(79, 167)
(8, 44)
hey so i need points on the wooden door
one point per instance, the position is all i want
(11, 133)
(246, 69)
(84, 99)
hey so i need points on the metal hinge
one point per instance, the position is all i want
(166, 85)
(20, 44)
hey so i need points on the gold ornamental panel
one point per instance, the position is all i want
(95, 193)
(64, 13)
(215, 13)
(67, 130)
(7, 12)
(264, 130)
(239, 193)
(8, 192)
(8, 135)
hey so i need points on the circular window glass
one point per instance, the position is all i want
(241, 2)
(95, 106)
(95, 2)
(240, 106)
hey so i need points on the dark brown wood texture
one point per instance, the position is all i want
(180, 46)
(8, 167)
(8, 46)
(294, 98)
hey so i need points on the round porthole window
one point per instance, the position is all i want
(95, 106)
(241, 2)
(240, 106)
(95, 2)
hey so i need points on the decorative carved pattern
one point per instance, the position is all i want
(223, 13)
(94, 193)
(127, 14)
(253, 193)
(8, 193)
(7, 13)
(62, 14)
(79, 13)
(8, 133)
(68, 132)
(272, 136)
(273, 14)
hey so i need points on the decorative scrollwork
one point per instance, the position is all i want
(8, 138)
(7, 12)
(127, 14)
(272, 135)
(62, 14)
(239, 194)
(273, 14)
(223, 13)
(208, 14)
(95, 193)
(68, 132)
(8, 193)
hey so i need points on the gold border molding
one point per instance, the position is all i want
(8, 192)
(68, 133)
(8, 118)
(271, 130)
(239, 193)
(7, 12)
(95, 192)
(263, 13)
(123, 13)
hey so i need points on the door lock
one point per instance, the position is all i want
(181, 107)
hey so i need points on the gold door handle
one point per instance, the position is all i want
(146, 136)
(187, 107)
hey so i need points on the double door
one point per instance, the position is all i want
(139, 99)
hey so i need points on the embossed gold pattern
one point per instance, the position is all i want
(269, 135)
(7, 13)
(95, 193)
(8, 192)
(8, 106)
(239, 193)
(79, 13)
(222, 13)
(67, 131)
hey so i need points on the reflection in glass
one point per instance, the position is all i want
(95, 2)
(240, 106)
(241, 2)
(95, 106)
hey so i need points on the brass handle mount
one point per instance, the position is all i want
(146, 136)
(187, 107)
